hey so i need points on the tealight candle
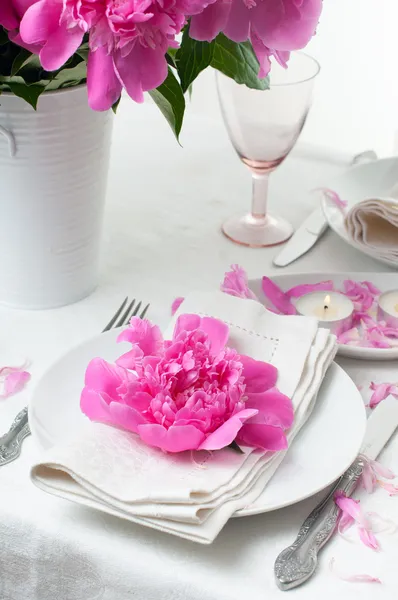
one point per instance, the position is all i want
(388, 308)
(332, 309)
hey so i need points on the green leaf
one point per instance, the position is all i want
(115, 105)
(170, 100)
(3, 37)
(192, 58)
(64, 77)
(238, 61)
(30, 93)
(20, 60)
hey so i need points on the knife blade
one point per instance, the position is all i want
(303, 239)
(314, 226)
(297, 563)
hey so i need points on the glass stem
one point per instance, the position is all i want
(260, 196)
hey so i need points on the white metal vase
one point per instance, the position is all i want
(53, 175)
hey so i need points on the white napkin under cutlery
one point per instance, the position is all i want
(373, 225)
(193, 494)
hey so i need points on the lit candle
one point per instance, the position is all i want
(332, 309)
(388, 308)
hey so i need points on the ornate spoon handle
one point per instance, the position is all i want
(298, 562)
(10, 443)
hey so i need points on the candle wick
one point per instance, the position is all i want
(325, 307)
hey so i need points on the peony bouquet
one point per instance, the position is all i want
(155, 46)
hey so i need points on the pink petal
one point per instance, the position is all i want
(14, 382)
(372, 288)
(380, 393)
(8, 17)
(60, 46)
(103, 85)
(102, 376)
(265, 437)
(130, 359)
(226, 433)
(143, 69)
(350, 506)
(263, 54)
(238, 23)
(126, 417)
(335, 198)
(277, 297)
(176, 305)
(236, 283)
(40, 21)
(345, 522)
(368, 538)
(142, 334)
(380, 469)
(389, 487)
(259, 376)
(174, 439)
(274, 408)
(217, 332)
(349, 336)
(186, 322)
(208, 24)
(94, 407)
(368, 479)
(306, 288)
(358, 578)
(286, 25)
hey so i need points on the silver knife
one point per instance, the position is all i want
(303, 239)
(312, 229)
(297, 563)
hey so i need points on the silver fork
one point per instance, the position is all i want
(11, 442)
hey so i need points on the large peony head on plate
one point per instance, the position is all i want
(192, 392)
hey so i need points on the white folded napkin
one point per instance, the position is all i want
(193, 494)
(373, 225)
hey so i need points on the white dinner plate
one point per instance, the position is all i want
(322, 451)
(384, 281)
(369, 180)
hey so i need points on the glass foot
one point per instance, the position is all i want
(257, 232)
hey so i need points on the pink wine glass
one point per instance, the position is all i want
(263, 127)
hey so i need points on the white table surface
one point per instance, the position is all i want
(162, 239)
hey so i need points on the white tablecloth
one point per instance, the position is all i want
(162, 239)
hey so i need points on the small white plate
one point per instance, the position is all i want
(369, 180)
(384, 281)
(322, 451)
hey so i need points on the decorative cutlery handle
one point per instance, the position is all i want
(10, 443)
(298, 562)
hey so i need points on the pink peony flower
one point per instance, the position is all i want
(274, 27)
(236, 283)
(128, 40)
(11, 13)
(189, 393)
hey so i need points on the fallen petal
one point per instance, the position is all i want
(277, 297)
(357, 578)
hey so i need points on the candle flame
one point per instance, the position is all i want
(326, 302)
(396, 307)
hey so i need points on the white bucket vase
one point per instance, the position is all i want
(53, 175)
